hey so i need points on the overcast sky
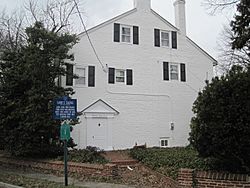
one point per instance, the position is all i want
(203, 28)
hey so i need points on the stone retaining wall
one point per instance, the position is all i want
(88, 170)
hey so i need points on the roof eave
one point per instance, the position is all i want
(108, 21)
(215, 62)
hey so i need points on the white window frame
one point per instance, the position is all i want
(116, 70)
(86, 76)
(178, 71)
(164, 139)
(131, 33)
(169, 37)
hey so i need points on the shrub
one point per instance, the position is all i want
(169, 160)
(221, 126)
(88, 155)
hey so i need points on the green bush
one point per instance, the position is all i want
(169, 160)
(221, 126)
(88, 155)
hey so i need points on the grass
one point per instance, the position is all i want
(169, 160)
(26, 182)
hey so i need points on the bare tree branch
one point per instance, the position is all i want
(217, 6)
(229, 56)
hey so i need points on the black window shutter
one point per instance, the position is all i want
(91, 76)
(165, 71)
(174, 39)
(183, 72)
(69, 75)
(129, 77)
(111, 75)
(116, 32)
(157, 37)
(135, 35)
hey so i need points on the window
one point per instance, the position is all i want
(81, 73)
(164, 142)
(165, 39)
(174, 72)
(126, 34)
(119, 75)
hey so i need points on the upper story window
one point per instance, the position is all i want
(126, 34)
(81, 73)
(165, 39)
(120, 75)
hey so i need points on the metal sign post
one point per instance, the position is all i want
(65, 109)
(65, 163)
(65, 136)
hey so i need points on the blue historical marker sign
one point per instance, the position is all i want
(65, 108)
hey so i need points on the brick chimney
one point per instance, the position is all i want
(142, 4)
(180, 16)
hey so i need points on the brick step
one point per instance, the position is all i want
(125, 162)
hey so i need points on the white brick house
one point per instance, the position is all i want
(144, 91)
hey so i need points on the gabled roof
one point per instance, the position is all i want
(203, 51)
(109, 21)
(161, 18)
(164, 20)
(100, 107)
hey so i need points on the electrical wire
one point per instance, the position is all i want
(85, 29)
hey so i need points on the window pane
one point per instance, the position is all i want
(119, 79)
(174, 68)
(80, 71)
(125, 38)
(165, 142)
(162, 142)
(81, 81)
(165, 35)
(125, 31)
(120, 73)
(174, 76)
(165, 42)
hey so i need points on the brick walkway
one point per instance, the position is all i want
(57, 179)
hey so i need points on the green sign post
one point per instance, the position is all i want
(65, 136)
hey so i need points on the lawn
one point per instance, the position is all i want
(26, 182)
(169, 160)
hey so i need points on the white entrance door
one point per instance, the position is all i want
(97, 131)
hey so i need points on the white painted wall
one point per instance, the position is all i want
(146, 108)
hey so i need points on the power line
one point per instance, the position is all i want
(85, 29)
